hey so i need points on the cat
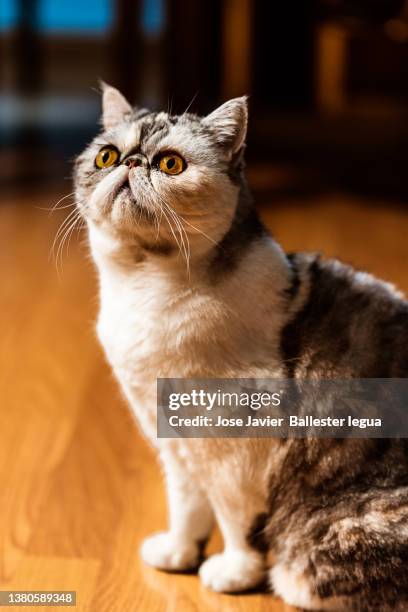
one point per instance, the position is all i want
(192, 285)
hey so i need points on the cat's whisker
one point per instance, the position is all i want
(199, 231)
(77, 228)
(159, 223)
(182, 234)
(178, 220)
(172, 230)
(66, 237)
(61, 229)
(177, 224)
(156, 223)
(183, 249)
(169, 104)
(53, 209)
(57, 207)
(191, 103)
(181, 246)
(68, 223)
(188, 250)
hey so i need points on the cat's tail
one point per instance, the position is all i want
(349, 563)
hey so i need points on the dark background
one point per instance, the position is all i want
(328, 83)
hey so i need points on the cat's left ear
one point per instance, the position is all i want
(229, 122)
(114, 106)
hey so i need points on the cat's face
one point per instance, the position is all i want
(161, 180)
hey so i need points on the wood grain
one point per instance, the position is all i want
(80, 488)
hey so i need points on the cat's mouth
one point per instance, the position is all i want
(124, 187)
(124, 194)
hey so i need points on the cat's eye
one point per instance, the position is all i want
(171, 163)
(106, 157)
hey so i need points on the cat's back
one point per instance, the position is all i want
(350, 324)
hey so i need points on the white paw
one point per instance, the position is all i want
(232, 571)
(166, 551)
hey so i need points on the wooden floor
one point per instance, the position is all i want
(79, 488)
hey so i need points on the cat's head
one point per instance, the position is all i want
(161, 180)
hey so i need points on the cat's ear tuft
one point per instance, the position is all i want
(229, 122)
(114, 106)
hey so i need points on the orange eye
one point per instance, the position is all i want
(172, 164)
(106, 157)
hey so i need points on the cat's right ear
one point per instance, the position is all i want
(115, 107)
(229, 123)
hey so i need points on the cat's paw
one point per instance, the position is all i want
(232, 571)
(167, 552)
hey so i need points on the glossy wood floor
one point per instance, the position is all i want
(79, 488)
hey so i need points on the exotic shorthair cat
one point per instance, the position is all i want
(193, 286)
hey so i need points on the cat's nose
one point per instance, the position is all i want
(133, 161)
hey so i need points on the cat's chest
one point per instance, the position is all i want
(150, 331)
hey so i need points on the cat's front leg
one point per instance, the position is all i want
(239, 567)
(190, 517)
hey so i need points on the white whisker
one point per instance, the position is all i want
(63, 232)
(199, 231)
(61, 229)
(191, 103)
(182, 234)
(56, 207)
(67, 235)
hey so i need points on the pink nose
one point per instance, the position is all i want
(133, 161)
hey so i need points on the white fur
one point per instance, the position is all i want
(102, 195)
(239, 567)
(364, 279)
(125, 136)
(151, 324)
(168, 552)
(151, 321)
(232, 571)
(190, 518)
